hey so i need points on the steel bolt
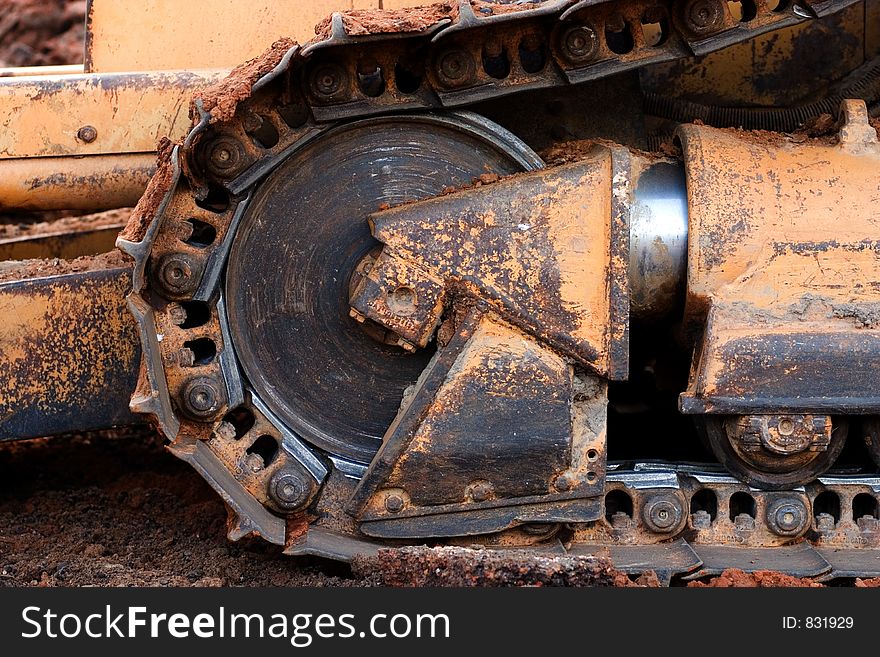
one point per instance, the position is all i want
(744, 522)
(328, 80)
(394, 503)
(201, 398)
(785, 426)
(254, 463)
(704, 17)
(480, 491)
(868, 524)
(290, 489)
(662, 513)
(620, 520)
(701, 519)
(87, 134)
(186, 357)
(175, 273)
(579, 44)
(456, 68)
(402, 301)
(176, 313)
(787, 516)
(225, 156)
(825, 523)
(225, 431)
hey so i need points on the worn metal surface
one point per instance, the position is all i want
(772, 70)
(791, 292)
(49, 122)
(67, 238)
(98, 182)
(201, 33)
(69, 353)
(658, 240)
(537, 248)
(300, 325)
(775, 451)
(492, 423)
(329, 81)
(666, 560)
(60, 244)
(799, 560)
(41, 116)
(30, 71)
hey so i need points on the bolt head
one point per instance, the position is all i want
(620, 520)
(744, 522)
(579, 44)
(662, 513)
(87, 134)
(456, 68)
(201, 398)
(701, 519)
(825, 522)
(253, 463)
(225, 156)
(704, 17)
(787, 516)
(785, 426)
(175, 274)
(328, 80)
(394, 503)
(290, 489)
(402, 301)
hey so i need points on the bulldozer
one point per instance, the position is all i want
(571, 275)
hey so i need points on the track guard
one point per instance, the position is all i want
(498, 431)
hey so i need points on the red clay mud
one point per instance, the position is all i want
(41, 32)
(759, 579)
(156, 191)
(456, 566)
(221, 99)
(360, 22)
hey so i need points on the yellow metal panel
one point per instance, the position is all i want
(45, 116)
(170, 34)
(100, 182)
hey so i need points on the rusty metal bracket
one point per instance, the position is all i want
(69, 353)
(497, 432)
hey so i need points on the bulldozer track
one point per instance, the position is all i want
(678, 520)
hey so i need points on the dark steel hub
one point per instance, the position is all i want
(298, 245)
(762, 462)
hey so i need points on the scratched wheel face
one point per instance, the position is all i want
(302, 239)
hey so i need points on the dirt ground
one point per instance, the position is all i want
(41, 32)
(116, 509)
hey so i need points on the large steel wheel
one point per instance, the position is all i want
(302, 237)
